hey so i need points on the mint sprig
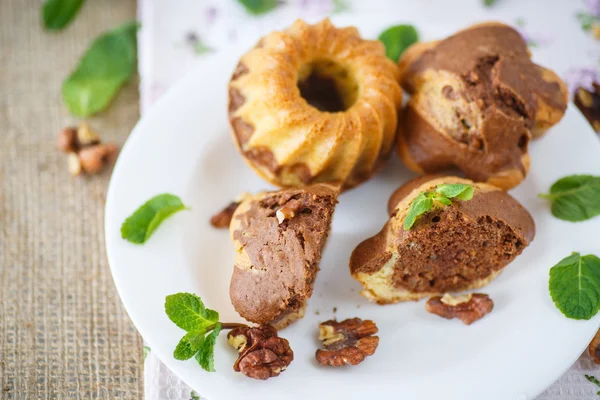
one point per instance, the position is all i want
(138, 227)
(575, 286)
(575, 198)
(442, 194)
(202, 325)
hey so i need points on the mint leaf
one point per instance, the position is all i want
(188, 312)
(57, 14)
(420, 205)
(258, 7)
(442, 194)
(206, 355)
(443, 200)
(575, 286)
(489, 3)
(397, 39)
(143, 222)
(146, 351)
(110, 61)
(459, 191)
(575, 197)
(194, 395)
(189, 345)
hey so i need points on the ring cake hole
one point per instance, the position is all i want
(327, 86)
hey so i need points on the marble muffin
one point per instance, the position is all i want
(278, 239)
(448, 249)
(315, 103)
(477, 101)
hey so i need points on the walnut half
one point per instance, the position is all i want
(347, 342)
(468, 308)
(262, 354)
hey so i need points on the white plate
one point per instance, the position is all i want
(182, 146)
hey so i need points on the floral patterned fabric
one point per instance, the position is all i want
(178, 35)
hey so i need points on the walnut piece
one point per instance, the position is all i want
(288, 211)
(594, 348)
(86, 135)
(588, 102)
(347, 342)
(468, 308)
(94, 158)
(67, 140)
(222, 219)
(74, 164)
(84, 150)
(262, 354)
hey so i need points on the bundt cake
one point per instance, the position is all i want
(452, 245)
(315, 103)
(278, 238)
(477, 100)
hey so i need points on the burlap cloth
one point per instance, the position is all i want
(63, 330)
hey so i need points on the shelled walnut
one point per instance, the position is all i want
(222, 219)
(262, 354)
(347, 342)
(86, 153)
(468, 308)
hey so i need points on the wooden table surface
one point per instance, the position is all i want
(63, 331)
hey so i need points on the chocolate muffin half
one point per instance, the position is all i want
(278, 239)
(450, 248)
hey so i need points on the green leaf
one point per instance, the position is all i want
(146, 351)
(397, 39)
(189, 345)
(206, 355)
(188, 312)
(107, 65)
(489, 3)
(420, 205)
(340, 6)
(587, 20)
(575, 286)
(57, 14)
(143, 222)
(575, 198)
(258, 7)
(457, 190)
(194, 395)
(592, 379)
(443, 200)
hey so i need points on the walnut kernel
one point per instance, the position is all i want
(468, 308)
(347, 342)
(262, 354)
(288, 211)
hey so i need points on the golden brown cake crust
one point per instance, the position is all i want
(450, 248)
(478, 109)
(278, 238)
(290, 141)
